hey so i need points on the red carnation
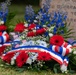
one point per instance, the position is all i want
(57, 40)
(21, 59)
(44, 56)
(7, 57)
(19, 27)
(31, 34)
(32, 26)
(3, 27)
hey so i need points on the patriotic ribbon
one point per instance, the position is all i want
(4, 37)
(57, 57)
(64, 50)
(61, 50)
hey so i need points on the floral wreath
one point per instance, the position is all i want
(39, 38)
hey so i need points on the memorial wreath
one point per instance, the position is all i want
(38, 41)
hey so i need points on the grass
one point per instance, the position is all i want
(9, 71)
(12, 71)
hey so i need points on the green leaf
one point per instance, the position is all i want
(20, 69)
(71, 71)
(56, 68)
(8, 22)
(10, 16)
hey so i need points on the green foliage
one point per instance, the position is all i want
(56, 68)
(72, 62)
(67, 31)
(8, 23)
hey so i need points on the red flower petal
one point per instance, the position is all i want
(19, 27)
(32, 26)
(3, 27)
(57, 40)
(21, 59)
(43, 56)
(40, 31)
(7, 57)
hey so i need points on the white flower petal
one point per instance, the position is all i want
(50, 34)
(63, 68)
(29, 61)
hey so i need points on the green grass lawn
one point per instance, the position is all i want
(10, 71)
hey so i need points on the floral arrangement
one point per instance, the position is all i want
(41, 38)
(4, 37)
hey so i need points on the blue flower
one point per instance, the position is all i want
(58, 19)
(29, 14)
(46, 34)
(65, 17)
(46, 5)
(55, 30)
(3, 11)
(62, 24)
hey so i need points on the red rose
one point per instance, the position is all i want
(7, 57)
(19, 27)
(3, 27)
(44, 56)
(57, 40)
(21, 59)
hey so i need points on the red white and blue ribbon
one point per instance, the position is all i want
(64, 50)
(61, 50)
(56, 56)
(4, 37)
